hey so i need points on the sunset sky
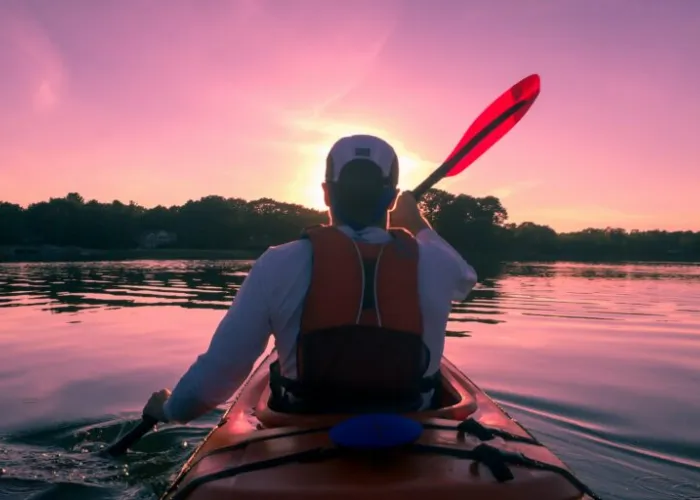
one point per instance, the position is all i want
(164, 101)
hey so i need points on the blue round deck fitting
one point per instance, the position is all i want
(375, 431)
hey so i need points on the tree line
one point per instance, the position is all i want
(476, 227)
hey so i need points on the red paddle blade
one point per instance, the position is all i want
(516, 100)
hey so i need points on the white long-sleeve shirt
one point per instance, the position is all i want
(271, 299)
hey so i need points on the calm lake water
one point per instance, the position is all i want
(601, 362)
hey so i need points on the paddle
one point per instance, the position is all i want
(119, 448)
(492, 124)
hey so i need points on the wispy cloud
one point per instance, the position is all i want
(36, 58)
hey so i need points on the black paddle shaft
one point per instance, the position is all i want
(119, 448)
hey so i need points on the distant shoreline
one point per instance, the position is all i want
(61, 254)
(71, 229)
(54, 254)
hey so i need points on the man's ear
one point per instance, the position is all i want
(392, 205)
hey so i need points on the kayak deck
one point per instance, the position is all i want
(469, 448)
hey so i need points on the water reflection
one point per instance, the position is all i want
(518, 288)
(598, 360)
(73, 287)
(631, 271)
(69, 288)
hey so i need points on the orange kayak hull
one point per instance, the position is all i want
(257, 453)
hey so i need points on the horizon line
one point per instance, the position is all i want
(321, 211)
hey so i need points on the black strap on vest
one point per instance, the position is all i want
(369, 268)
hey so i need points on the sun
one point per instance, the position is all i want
(307, 186)
(312, 194)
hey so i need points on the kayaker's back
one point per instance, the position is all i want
(272, 299)
(443, 276)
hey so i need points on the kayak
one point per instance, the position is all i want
(467, 446)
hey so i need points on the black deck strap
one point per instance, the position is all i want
(259, 439)
(496, 460)
(524, 461)
(478, 430)
(489, 455)
(481, 432)
(240, 445)
(312, 455)
(492, 459)
(485, 454)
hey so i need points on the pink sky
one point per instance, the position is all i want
(161, 102)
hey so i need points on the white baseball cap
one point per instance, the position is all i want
(363, 147)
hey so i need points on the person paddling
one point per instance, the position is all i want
(358, 311)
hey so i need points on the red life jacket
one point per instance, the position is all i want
(360, 344)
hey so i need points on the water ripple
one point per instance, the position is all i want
(72, 287)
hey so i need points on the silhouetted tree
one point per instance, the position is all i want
(13, 227)
(476, 227)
